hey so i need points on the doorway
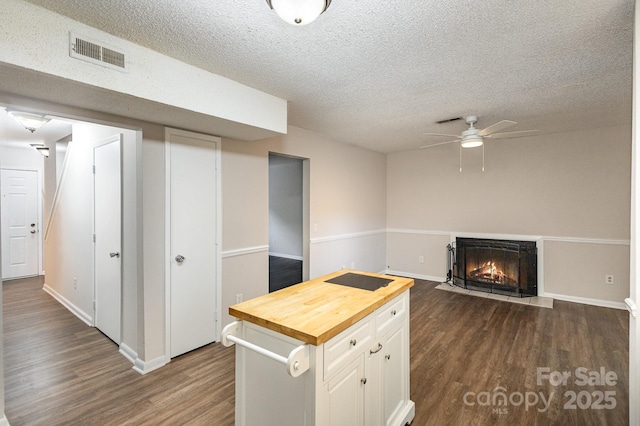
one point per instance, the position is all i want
(288, 221)
(108, 236)
(20, 224)
(193, 240)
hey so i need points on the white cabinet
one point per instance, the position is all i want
(395, 383)
(358, 377)
(385, 351)
(345, 395)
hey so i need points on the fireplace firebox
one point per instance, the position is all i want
(497, 266)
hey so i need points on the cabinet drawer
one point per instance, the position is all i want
(392, 313)
(347, 345)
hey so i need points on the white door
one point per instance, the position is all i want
(107, 222)
(20, 227)
(192, 247)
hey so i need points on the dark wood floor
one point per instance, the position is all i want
(283, 272)
(58, 371)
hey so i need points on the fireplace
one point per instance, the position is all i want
(496, 266)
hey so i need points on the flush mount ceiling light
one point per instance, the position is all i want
(29, 121)
(299, 12)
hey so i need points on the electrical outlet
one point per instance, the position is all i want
(75, 283)
(239, 298)
(421, 259)
(608, 279)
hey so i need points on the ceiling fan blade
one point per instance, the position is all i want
(441, 134)
(440, 143)
(507, 135)
(496, 127)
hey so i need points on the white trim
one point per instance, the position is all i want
(217, 142)
(144, 367)
(3, 420)
(286, 256)
(347, 236)
(415, 276)
(514, 237)
(586, 301)
(525, 237)
(244, 251)
(588, 241)
(128, 353)
(418, 232)
(70, 306)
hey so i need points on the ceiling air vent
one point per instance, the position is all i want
(448, 120)
(83, 48)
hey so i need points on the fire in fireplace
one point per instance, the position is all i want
(496, 266)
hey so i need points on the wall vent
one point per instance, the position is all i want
(88, 50)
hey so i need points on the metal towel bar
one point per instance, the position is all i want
(297, 362)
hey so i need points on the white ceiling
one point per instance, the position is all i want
(379, 74)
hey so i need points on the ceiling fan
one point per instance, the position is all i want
(473, 137)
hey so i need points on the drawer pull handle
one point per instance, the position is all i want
(393, 312)
(363, 380)
(352, 342)
(371, 352)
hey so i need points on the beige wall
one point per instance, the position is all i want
(570, 188)
(347, 203)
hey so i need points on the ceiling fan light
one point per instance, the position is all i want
(471, 143)
(31, 122)
(299, 12)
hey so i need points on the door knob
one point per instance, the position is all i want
(179, 258)
(114, 254)
(33, 231)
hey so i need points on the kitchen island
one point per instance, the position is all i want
(330, 351)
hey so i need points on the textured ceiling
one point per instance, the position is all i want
(379, 74)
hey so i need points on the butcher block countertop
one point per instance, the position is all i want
(315, 311)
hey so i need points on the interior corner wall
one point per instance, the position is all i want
(69, 245)
(347, 209)
(571, 189)
(151, 296)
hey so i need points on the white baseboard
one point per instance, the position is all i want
(286, 256)
(4, 421)
(87, 319)
(144, 367)
(564, 297)
(586, 301)
(416, 276)
(128, 353)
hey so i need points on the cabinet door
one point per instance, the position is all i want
(346, 395)
(394, 375)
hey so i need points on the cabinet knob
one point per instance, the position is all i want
(363, 380)
(352, 342)
(387, 357)
(393, 312)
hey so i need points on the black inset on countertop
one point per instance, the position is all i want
(364, 282)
